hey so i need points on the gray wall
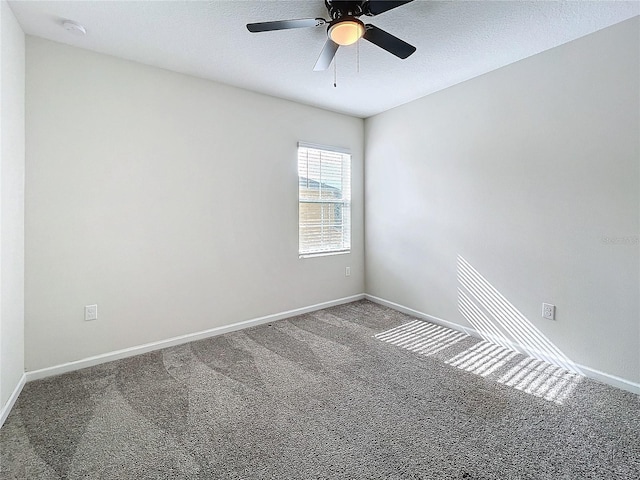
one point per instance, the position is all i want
(529, 177)
(169, 201)
(12, 203)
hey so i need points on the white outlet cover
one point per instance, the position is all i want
(91, 312)
(548, 311)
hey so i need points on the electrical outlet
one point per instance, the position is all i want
(347, 271)
(91, 312)
(548, 311)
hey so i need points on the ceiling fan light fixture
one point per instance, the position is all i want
(346, 32)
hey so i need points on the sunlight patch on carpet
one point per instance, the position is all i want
(421, 337)
(486, 359)
(483, 358)
(541, 379)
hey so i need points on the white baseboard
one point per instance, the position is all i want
(4, 411)
(424, 316)
(148, 347)
(614, 381)
(603, 377)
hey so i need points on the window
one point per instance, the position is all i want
(324, 200)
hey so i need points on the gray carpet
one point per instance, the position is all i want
(357, 391)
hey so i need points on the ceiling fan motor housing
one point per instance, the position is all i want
(346, 8)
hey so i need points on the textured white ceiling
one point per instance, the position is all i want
(455, 40)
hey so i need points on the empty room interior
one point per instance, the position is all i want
(320, 240)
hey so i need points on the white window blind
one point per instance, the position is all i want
(324, 200)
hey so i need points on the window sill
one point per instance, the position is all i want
(323, 254)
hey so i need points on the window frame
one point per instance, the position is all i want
(346, 202)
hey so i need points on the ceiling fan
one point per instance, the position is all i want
(346, 28)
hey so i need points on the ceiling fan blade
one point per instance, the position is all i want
(285, 24)
(326, 56)
(388, 42)
(376, 7)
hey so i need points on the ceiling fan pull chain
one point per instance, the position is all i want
(335, 72)
(358, 56)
